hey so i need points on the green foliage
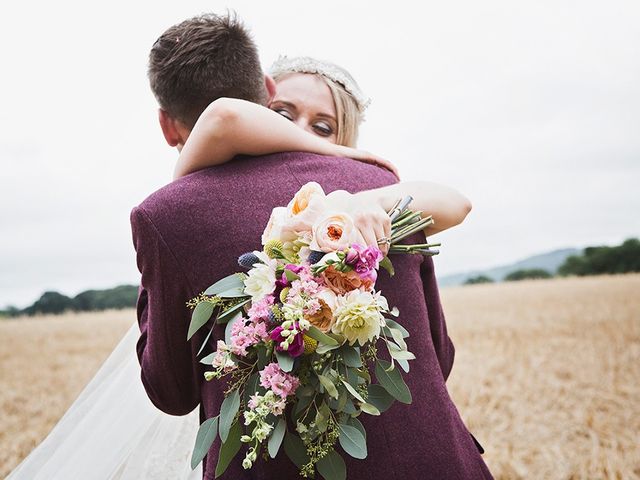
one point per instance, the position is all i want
(624, 258)
(9, 312)
(50, 302)
(122, 296)
(525, 274)
(478, 279)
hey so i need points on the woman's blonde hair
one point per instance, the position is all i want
(348, 100)
(348, 116)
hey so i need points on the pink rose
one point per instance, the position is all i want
(334, 232)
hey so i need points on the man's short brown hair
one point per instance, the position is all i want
(202, 59)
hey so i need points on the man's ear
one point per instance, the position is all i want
(270, 84)
(172, 129)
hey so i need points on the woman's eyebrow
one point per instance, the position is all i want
(286, 104)
(328, 116)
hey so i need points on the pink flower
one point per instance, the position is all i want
(296, 347)
(260, 310)
(365, 261)
(281, 383)
(245, 334)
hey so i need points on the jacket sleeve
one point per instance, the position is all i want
(443, 345)
(169, 370)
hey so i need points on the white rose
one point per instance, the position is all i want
(278, 227)
(357, 316)
(262, 278)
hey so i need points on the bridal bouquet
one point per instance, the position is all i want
(303, 329)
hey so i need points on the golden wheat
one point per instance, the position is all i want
(547, 374)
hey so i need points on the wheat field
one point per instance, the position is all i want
(546, 376)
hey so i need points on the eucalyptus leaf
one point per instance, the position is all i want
(392, 382)
(354, 422)
(352, 441)
(396, 352)
(228, 410)
(403, 364)
(332, 466)
(349, 408)
(397, 326)
(351, 356)
(328, 385)
(370, 409)
(285, 361)
(305, 391)
(206, 435)
(232, 281)
(208, 359)
(379, 397)
(275, 440)
(301, 404)
(323, 348)
(295, 449)
(201, 315)
(316, 334)
(230, 312)
(233, 293)
(397, 337)
(229, 449)
(353, 391)
(251, 387)
(206, 340)
(322, 418)
(364, 374)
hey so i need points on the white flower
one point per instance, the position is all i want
(262, 278)
(278, 227)
(357, 316)
(334, 231)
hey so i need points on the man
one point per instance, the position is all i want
(189, 234)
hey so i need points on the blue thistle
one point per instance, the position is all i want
(315, 256)
(247, 260)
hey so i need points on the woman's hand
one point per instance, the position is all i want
(371, 220)
(368, 157)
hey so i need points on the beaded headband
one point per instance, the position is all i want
(330, 70)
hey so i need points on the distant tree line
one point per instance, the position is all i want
(123, 296)
(624, 258)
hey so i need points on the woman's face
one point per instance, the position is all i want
(307, 101)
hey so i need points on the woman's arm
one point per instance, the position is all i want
(448, 206)
(230, 127)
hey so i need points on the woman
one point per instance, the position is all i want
(112, 431)
(327, 106)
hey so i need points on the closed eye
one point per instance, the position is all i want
(285, 113)
(322, 129)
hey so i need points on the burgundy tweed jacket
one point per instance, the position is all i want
(189, 234)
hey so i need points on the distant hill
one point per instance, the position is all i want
(548, 261)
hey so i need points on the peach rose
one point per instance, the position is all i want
(334, 232)
(344, 282)
(278, 227)
(323, 318)
(306, 207)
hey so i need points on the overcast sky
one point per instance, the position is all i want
(530, 109)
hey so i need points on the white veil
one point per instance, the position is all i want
(114, 432)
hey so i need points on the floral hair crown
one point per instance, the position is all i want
(329, 70)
